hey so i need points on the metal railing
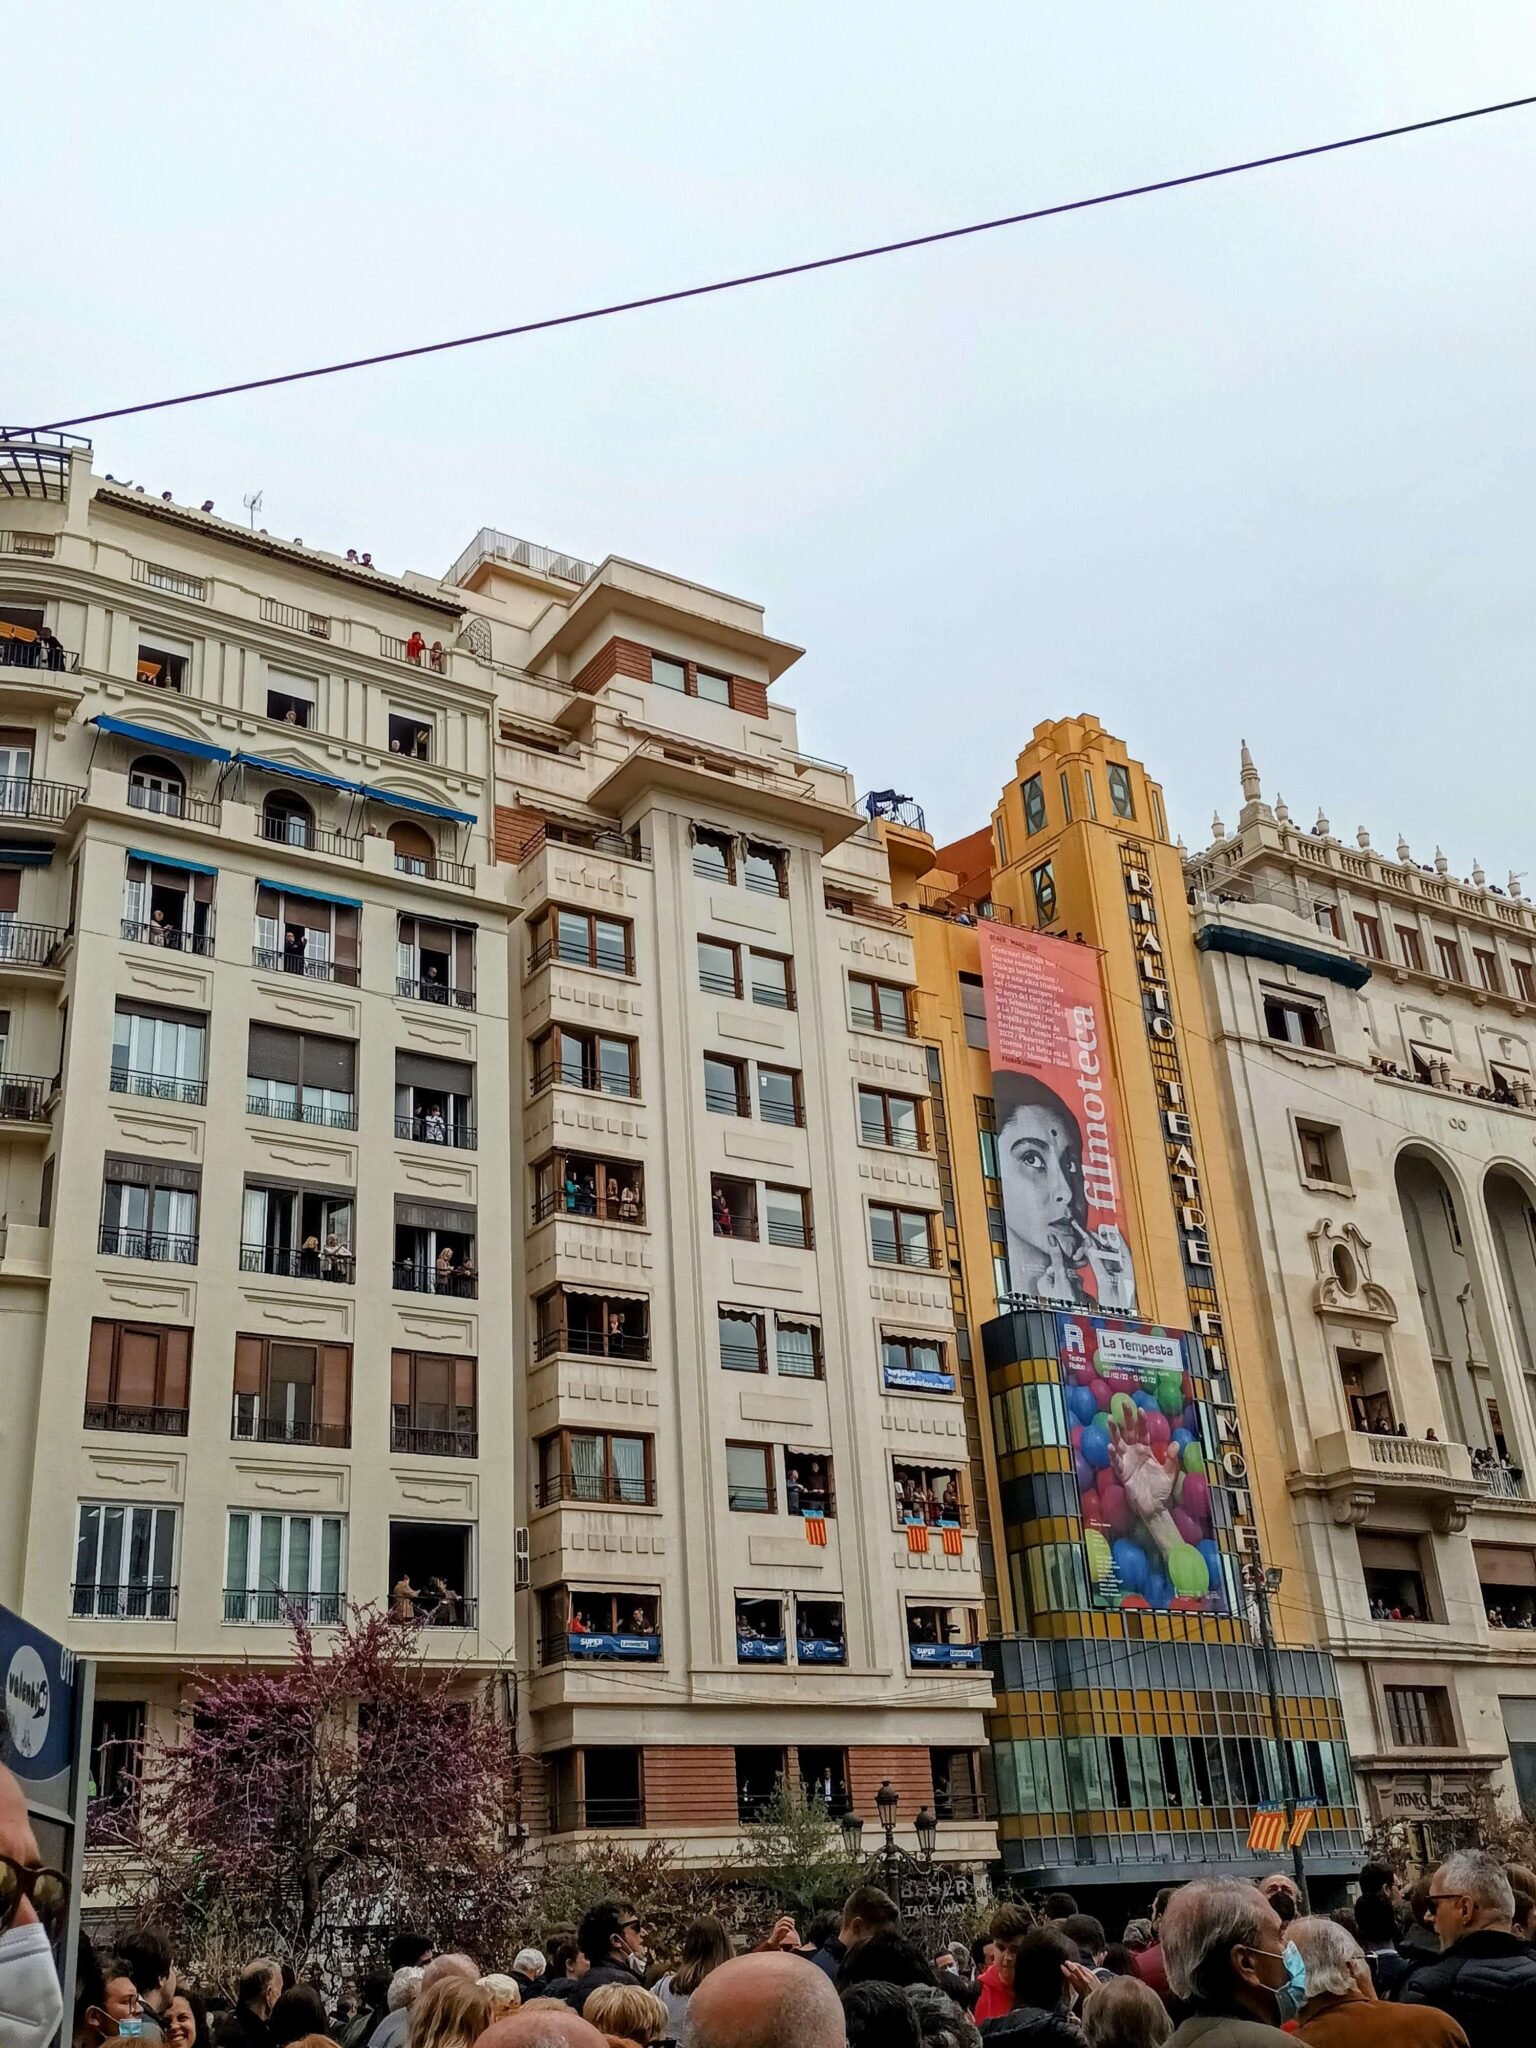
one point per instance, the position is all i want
(1506, 1482)
(958, 1805)
(24, 1098)
(569, 1816)
(158, 577)
(717, 869)
(714, 983)
(455, 1612)
(170, 936)
(458, 1137)
(294, 1262)
(765, 885)
(306, 838)
(770, 998)
(725, 1101)
(939, 1517)
(412, 1439)
(95, 1602)
(161, 1247)
(315, 624)
(276, 961)
(594, 1343)
(435, 992)
(122, 1415)
(772, 1112)
(40, 803)
(393, 648)
(249, 1426)
(175, 803)
(866, 908)
(736, 1357)
(49, 656)
(574, 956)
(595, 1490)
(163, 1087)
(29, 945)
(900, 1141)
(490, 544)
(273, 1609)
(435, 870)
(592, 1208)
(751, 1500)
(621, 845)
(301, 1113)
(407, 1277)
(592, 1079)
(796, 1236)
(885, 1252)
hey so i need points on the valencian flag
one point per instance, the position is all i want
(917, 1536)
(1268, 1830)
(816, 1530)
(1305, 1815)
(1058, 1146)
(954, 1543)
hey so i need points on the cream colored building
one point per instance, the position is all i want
(1376, 1018)
(441, 1023)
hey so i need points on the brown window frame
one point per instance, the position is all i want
(1525, 980)
(781, 1319)
(758, 1317)
(885, 1097)
(459, 1438)
(331, 1389)
(874, 1020)
(1448, 953)
(771, 1001)
(714, 1093)
(769, 1490)
(634, 1345)
(1369, 931)
(1435, 1707)
(896, 1211)
(610, 1176)
(776, 856)
(829, 1508)
(711, 988)
(165, 1415)
(796, 1119)
(709, 835)
(1411, 947)
(546, 1072)
(692, 670)
(752, 1234)
(801, 1238)
(561, 1485)
(1488, 970)
(546, 942)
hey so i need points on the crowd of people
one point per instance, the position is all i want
(1217, 1963)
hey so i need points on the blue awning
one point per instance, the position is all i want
(25, 856)
(314, 895)
(269, 767)
(168, 742)
(165, 860)
(416, 803)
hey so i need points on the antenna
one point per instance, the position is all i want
(252, 504)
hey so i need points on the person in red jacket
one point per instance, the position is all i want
(996, 1980)
(1149, 1962)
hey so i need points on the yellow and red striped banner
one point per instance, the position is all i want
(953, 1541)
(917, 1536)
(816, 1530)
(1305, 1815)
(1268, 1829)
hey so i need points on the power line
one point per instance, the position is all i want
(731, 284)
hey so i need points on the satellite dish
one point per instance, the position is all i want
(252, 504)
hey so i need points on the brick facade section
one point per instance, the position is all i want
(909, 1772)
(750, 697)
(516, 830)
(689, 1787)
(628, 658)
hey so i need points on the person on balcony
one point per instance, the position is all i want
(50, 647)
(335, 1258)
(415, 647)
(724, 1227)
(629, 1203)
(402, 1599)
(444, 1269)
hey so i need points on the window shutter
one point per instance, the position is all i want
(10, 889)
(464, 1385)
(335, 1385)
(329, 1063)
(400, 1378)
(177, 1367)
(449, 1077)
(138, 1366)
(98, 1375)
(248, 1360)
(130, 1173)
(464, 957)
(434, 1216)
(274, 1054)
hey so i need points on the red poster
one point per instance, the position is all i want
(1058, 1147)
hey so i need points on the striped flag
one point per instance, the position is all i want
(917, 1536)
(816, 1530)
(954, 1542)
(1268, 1830)
(1305, 1815)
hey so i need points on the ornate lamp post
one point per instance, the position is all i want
(887, 1799)
(853, 1834)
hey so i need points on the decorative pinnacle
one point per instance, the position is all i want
(1282, 810)
(1478, 877)
(1322, 828)
(1250, 777)
(1218, 830)
(1402, 850)
(1442, 865)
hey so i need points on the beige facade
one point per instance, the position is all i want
(537, 1254)
(1375, 1020)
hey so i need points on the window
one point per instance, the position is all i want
(719, 967)
(1066, 798)
(436, 1561)
(889, 1119)
(125, 1563)
(1294, 1022)
(778, 1096)
(595, 1325)
(158, 786)
(435, 1249)
(788, 1211)
(973, 1007)
(1525, 980)
(117, 1729)
(1327, 920)
(760, 1637)
(819, 1636)
(1043, 882)
(433, 1410)
(759, 1779)
(714, 854)
(1000, 835)
(284, 1567)
(410, 735)
(1088, 793)
(159, 1053)
(914, 1365)
(1449, 954)
(1419, 1716)
(18, 750)
(163, 665)
(1033, 793)
(879, 1006)
(733, 1206)
(1322, 1153)
(137, 1377)
(686, 677)
(749, 1487)
(585, 1059)
(288, 820)
(930, 1494)
(1393, 1568)
(168, 903)
(582, 938)
(292, 1393)
(581, 1184)
(435, 962)
(946, 1637)
(1412, 951)
(773, 980)
(149, 1210)
(301, 1077)
(956, 1784)
(725, 1086)
(313, 936)
(712, 686)
(593, 1465)
(743, 1339)
(434, 1100)
(797, 1347)
(1369, 931)
(599, 1788)
(900, 1237)
(1119, 779)
(765, 868)
(1488, 971)
(300, 1233)
(290, 699)
(669, 675)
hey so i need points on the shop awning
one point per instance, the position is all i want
(270, 767)
(165, 860)
(167, 742)
(25, 856)
(416, 803)
(291, 889)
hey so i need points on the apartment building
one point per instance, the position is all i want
(537, 1267)
(1372, 1013)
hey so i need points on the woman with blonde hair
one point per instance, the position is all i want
(503, 1993)
(706, 1945)
(626, 2013)
(453, 2013)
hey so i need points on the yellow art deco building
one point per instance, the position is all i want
(1128, 1743)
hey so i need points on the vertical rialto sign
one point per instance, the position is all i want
(1185, 1185)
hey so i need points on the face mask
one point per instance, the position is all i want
(1292, 1995)
(31, 2003)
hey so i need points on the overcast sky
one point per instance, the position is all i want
(1249, 460)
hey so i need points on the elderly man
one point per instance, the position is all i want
(392, 2031)
(1485, 1976)
(1342, 2009)
(1228, 1960)
(1283, 1893)
(259, 1988)
(543, 2027)
(765, 2001)
(31, 2002)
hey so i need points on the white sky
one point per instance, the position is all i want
(1253, 459)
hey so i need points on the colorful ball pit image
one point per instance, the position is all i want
(1142, 1443)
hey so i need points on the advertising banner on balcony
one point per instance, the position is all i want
(1144, 1456)
(1058, 1149)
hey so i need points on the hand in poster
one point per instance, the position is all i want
(1108, 1256)
(1147, 1474)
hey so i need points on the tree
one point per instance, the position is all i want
(793, 1852)
(317, 1807)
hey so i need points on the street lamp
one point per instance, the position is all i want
(853, 1834)
(926, 1827)
(887, 1799)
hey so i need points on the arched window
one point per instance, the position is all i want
(1512, 1219)
(1450, 1295)
(287, 817)
(414, 851)
(156, 785)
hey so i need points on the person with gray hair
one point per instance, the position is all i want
(1228, 1960)
(1125, 2013)
(1485, 1976)
(765, 2001)
(941, 2022)
(1342, 2009)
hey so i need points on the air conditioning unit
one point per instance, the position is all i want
(520, 1571)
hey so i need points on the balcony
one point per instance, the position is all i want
(415, 1441)
(24, 1098)
(600, 1646)
(278, 960)
(37, 803)
(435, 870)
(301, 1112)
(820, 1650)
(160, 1087)
(428, 990)
(407, 1277)
(302, 1262)
(93, 1602)
(303, 837)
(622, 845)
(944, 1656)
(249, 1426)
(424, 1129)
(160, 1247)
(1354, 1468)
(593, 1343)
(595, 1490)
(170, 936)
(271, 1609)
(121, 1415)
(30, 945)
(570, 1816)
(175, 803)
(21, 648)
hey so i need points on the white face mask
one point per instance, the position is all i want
(31, 2003)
